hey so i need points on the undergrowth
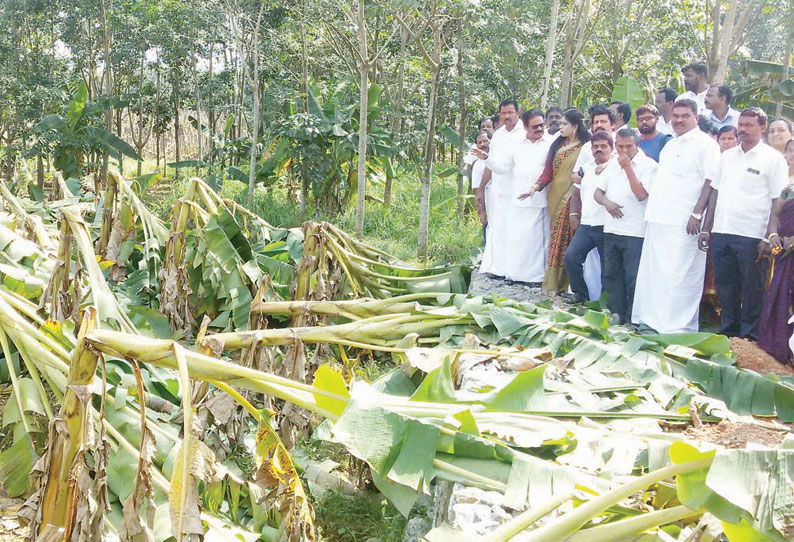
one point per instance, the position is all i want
(357, 518)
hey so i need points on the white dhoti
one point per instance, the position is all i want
(495, 256)
(669, 280)
(527, 243)
(592, 274)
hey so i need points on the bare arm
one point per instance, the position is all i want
(693, 225)
(612, 208)
(774, 222)
(634, 183)
(708, 222)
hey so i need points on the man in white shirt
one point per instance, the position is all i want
(752, 175)
(503, 142)
(718, 100)
(622, 190)
(588, 215)
(553, 120)
(528, 235)
(622, 112)
(696, 75)
(664, 101)
(601, 119)
(482, 142)
(672, 268)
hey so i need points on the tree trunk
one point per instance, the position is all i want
(108, 86)
(424, 201)
(362, 121)
(725, 43)
(567, 70)
(254, 134)
(305, 105)
(211, 106)
(397, 110)
(177, 134)
(551, 43)
(462, 121)
(197, 91)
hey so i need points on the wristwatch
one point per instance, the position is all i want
(697, 216)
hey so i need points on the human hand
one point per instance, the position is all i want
(693, 226)
(775, 241)
(529, 194)
(614, 209)
(623, 160)
(482, 155)
(703, 241)
(482, 215)
(575, 220)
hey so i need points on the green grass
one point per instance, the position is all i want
(347, 518)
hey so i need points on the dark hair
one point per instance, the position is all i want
(725, 130)
(509, 101)
(624, 109)
(789, 142)
(784, 120)
(554, 108)
(626, 132)
(758, 114)
(602, 136)
(482, 132)
(706, 125)
(686, 102)
(647, 108)
(669, 94)
(479, 124)
(599, 109)
(495, 120)
(575, 117)
(725, 92)
(530, 113)
(697, 67)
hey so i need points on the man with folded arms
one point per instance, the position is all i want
(672, 268)
(752, 175)
(622, 190)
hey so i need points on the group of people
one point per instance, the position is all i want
(636, 213)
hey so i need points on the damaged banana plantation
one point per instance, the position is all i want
(161, 377)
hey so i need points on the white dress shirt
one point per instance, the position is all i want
(615, 184)
(731, 119)
(529, 159)
(665, 127)
(500, 157)
(593, 214)
(477, 171)
(699, 99)
(747, 184)
(685, 163)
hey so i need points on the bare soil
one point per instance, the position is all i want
(750, 356)
(736, 435)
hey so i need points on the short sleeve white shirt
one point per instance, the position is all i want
(665, 127)
(500, 157)
(685, 163)
(585, 156)
(699, 99)
(593, 214)
(747, 184)
(529, 159)
(615, 184)
(477, 171)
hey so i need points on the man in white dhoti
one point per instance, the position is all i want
(528, 236)
(672, 268)
(503, 142)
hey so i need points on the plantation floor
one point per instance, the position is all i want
(750, 356)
